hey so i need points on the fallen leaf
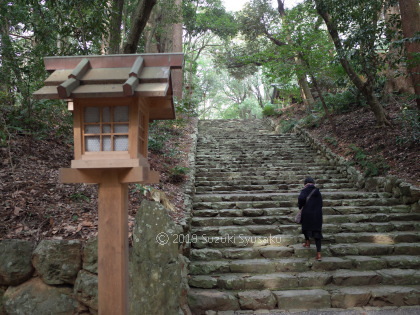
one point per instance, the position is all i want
(17, 211)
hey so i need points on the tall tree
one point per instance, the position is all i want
(116, 7)
(261, 26)
(410, 20)
(358, 23)
(138, 23)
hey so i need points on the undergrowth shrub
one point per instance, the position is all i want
(270, 110)
(313, 120)
(371, 165)
(342, 102)
(177, 174)
(288, 125)
(409, 120)
(331, 140)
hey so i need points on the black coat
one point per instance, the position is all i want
(312, 212)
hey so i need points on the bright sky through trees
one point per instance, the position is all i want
(236, 5)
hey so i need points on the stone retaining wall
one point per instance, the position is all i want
(60, 276)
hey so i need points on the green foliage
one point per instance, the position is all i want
(342, 102)
(79, 197)
(372, 165)
(269, 110)
(313, 120)
(287, 125)
(201, 17)
(331, 140)
(177, 174)
(409, 119)
(141, 189)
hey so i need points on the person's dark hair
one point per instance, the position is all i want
(309, 180)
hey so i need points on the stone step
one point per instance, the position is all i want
(262, 204)
(289, 180)
(293, 229)
(301, 265)
(241, 240)
(213, 197)
(298, 251)
(201, 300)
(309, 279)
(249, 172)
(327, 210)
(212, 186)
(282, 220)
(237, 190)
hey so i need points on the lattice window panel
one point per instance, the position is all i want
(105, 128)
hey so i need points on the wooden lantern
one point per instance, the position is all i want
(113, 98)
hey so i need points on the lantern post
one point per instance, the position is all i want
(113, 99)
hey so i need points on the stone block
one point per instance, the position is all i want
(15, 262)
(331, 263)
(367, 263)
(350, 297)
(394, 296)
(207, 267)
(36, 297)
(273, 281)
(202, 300)
(400, 276)
(58, 261)
(203, 282)
(314, 279)
(354, 278)
(86, 289)
(155, 269)
(303, 299)
(292, 264)
(90, 255)
(254, 300)
(206, 254)
(230, 282)
(253, 266)
(241, 253)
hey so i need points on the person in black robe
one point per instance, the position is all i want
(311, 214)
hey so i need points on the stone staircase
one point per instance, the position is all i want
(247, 253)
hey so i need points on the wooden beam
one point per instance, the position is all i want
(76, 176)
(80, 69)
(106, 163)
(130, 86)
(113, 245)
(65, 89)
(134, 175)
(153, 178)
(172, 60)
(137, 67)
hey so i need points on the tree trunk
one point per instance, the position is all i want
(115, 26)
(306, 93)
(366, 88)
(395, 83)
(177, 74)
(410, 17)
(138, 22)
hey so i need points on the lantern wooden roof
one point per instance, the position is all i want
(140, 75)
